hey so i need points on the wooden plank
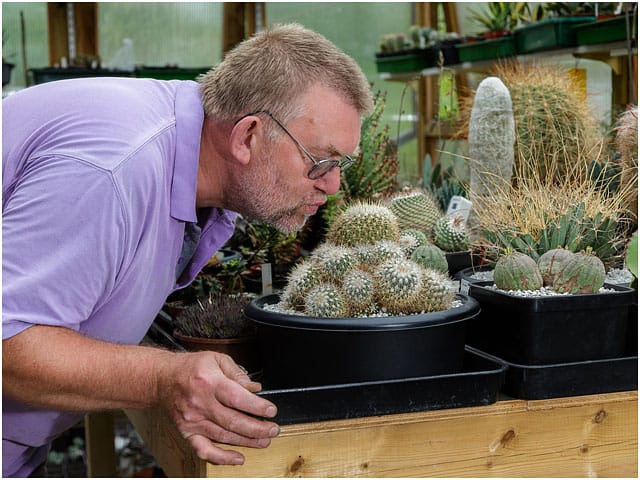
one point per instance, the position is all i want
(593, 435)
(101, 451)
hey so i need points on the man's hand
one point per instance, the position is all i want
(209, 398)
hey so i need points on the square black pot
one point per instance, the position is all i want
(550, 329)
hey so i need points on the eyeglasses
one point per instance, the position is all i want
(320, 167)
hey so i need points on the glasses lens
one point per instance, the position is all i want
(322, 168)
(346, 162)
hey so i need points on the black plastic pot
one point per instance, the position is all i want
(300, 351)
(458, 261)
(550, 329)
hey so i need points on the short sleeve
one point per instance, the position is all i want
(63, 241)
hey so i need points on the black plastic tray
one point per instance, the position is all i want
(478, 384)
(536, 382)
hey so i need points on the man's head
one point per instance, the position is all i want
(271, 70)
(288, 99)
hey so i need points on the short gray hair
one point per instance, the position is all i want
(274, 68)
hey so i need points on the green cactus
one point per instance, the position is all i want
(325, 300)
(583, 273)
(431, 256)
(363, 222)
(450, 234)
(517, 271)
(358, 289)
(415, 209)
(540, 221)
(435, 295)
(551, 264)
(554, 127)
(386, 250)
(398, 286)
(302, 277)
(410, 239)
(334, 260)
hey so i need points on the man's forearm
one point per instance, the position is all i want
(57, 368)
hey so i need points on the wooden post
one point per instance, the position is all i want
(85, 28)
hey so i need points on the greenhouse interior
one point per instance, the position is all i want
(341, 239)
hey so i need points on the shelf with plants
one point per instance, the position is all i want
(611, 49)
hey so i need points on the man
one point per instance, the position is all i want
(116, 192)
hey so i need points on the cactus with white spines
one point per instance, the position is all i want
(325, 300)
(363, 222)
(415, 209)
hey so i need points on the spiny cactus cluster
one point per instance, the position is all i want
(560, 269)
(366, 268)
(417, 210)
(626, 144)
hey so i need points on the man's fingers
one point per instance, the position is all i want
(209, 452)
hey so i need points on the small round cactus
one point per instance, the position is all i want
(436, 294)
(450, 234)
(410, 239)
(517, 271)
(431, 256)
(302, 277)
(358, 289)
(363, 222)
(583, 273)
(334, 260)
(325, 300)
(384, 251)
(398, 285)
(415, 209)
(552, 262)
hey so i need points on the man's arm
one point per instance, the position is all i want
(206, 394)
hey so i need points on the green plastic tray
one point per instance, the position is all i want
(487, 49)
(548, 34)
(409, 62)
(603, 31)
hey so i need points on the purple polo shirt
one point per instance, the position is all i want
(98, 180)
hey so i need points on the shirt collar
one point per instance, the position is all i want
(189, 115)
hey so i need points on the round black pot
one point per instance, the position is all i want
(300, 351)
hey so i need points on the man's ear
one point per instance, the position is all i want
(245, 138)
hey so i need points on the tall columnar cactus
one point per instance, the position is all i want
(415, 208)
(491, 142)
(363, 222)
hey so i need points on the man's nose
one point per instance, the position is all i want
(329, 183)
